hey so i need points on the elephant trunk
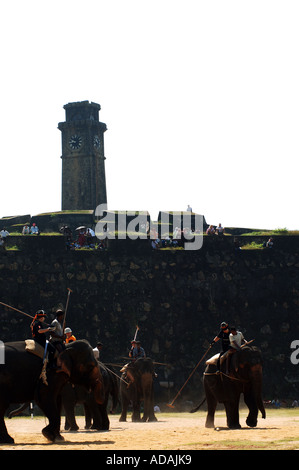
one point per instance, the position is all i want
(97, 385)
(256, 374)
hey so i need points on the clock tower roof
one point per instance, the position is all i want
(82, 111)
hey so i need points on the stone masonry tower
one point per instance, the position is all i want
(83, 159)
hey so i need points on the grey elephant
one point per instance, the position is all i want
(137, 385)
(20, 382)
(96, 415)
(245, 376)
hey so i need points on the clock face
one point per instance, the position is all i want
(75, 142)
(96, 142)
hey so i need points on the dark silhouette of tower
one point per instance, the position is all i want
(83, 159)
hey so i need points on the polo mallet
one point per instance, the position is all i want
(19, 311)
(248, 342)
(170, 405)
(66, 307)
(137, 329)
(16, 309)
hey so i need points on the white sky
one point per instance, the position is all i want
(201, 101)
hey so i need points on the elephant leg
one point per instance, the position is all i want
(105, 423)
(70, 419)
(49, 400)
(104, 415)
(5, 438)
(212, 404)
(96, 412)
(232, 414)
(149, 414)
(87, 416)
(152, 417)
(67, 425)
(124, 407)
(136, 411)
(251, 419)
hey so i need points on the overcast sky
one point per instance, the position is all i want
(201, 101)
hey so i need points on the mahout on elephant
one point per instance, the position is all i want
(136, 385)
(21, 382)
(96, 415)
(244, 376)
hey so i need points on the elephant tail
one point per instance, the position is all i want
(115, 394)
(198, 406)
(19, 410)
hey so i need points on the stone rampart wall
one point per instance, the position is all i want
(178, 298)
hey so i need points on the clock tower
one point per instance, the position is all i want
(83, 159)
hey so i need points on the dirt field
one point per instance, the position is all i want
(173, 431)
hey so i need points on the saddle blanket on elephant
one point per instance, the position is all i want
(213, 359)
(37, 349)
(34, 348)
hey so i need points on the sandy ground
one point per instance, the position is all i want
(172, 431)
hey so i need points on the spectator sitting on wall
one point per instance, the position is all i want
(81, 238)
(90, 235)
(177, 233)
(220, 230)
(67, 233)
(101, 245)
(210, 230)
(4, 233)
(155, 244)
(26, 229)
(2, 244)
(270, 243)
(34, 229)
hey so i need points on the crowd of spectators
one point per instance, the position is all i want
(33, 230)
(84, 237)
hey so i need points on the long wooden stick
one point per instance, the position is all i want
(248, 342)
(19, 311)
(66, 307)
(16, 309)
(170, 405)
(137, 329)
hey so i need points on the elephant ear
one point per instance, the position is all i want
(65, 362)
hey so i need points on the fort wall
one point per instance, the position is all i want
(178, 299)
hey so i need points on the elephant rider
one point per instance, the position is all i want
(225, 343)
(236, 339)
(37, 328)
(97, 350)
(57, 334)
(136, 350)
(39, 334)
(135, 353)
(69, 337)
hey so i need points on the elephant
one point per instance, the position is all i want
(136, 385)
(21, 381)
(244, 376)
(96, 416)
